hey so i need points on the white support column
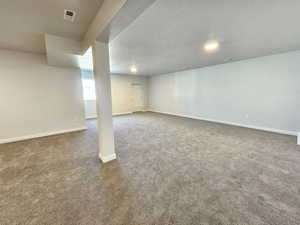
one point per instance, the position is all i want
(104, 102)
(298, 139)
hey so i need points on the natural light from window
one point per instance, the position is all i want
(89, 91)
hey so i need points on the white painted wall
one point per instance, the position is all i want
(262, 92)
(90, 109)
(37, 99)
(62, 52)
(122, 94)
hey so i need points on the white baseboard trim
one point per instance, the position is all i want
(121, 114)
(298, 139)
(90, 117)
(46, 134)
(292, 133)
(114, 114)
(106, 159)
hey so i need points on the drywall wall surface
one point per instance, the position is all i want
(36, 98)
(122, 93)
(261, 92)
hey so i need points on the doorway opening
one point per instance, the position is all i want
(138, 97)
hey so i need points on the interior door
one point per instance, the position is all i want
(138, 97)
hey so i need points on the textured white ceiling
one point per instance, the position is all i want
(23, 22)
(169, 36)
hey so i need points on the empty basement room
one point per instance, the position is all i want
(149, 112)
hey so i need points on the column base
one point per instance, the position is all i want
(106, 159)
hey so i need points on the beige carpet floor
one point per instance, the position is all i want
(170, 170)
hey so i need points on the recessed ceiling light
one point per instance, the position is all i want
(133, 69)
(211, 46)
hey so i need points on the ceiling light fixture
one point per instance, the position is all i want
(211, 46)
(133, 69)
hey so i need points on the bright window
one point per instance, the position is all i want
(89, 91)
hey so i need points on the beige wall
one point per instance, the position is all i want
(37, 99)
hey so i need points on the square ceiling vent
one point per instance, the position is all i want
(69, 15)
